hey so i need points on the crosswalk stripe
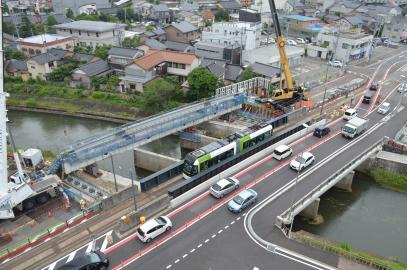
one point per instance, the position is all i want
(51, 266)
(104, 245)
(71, 256)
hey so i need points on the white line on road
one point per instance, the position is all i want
(238, 218)
(220, 231)
(51, 266)
(200, 245)
(177, 261)
(168, 266)
(104, 244)
(71, 256)
(227, 226)
(184, 256)
(89, 248)
(206, 241)
(214, 235)
(233, 222)
(192, 250)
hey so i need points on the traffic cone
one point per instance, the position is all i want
(33, 223)
(49, 213)
(13, 233)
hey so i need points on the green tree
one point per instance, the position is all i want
(247, 74)
(87, 17)
(149, 28)
(61, 72)
(5, 9)
(69, 14)
(221, 15)
(131, 42)
(51, 21)
(160, 95)
(202, 84)
(9, 28)
(127, 14)
(83, 49)
(10, 53)
(27, 28)
(102, 51)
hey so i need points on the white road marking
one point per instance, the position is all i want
(177, 261)
(206, 241)
(214, 235)
(89, 248)
(227, 226)
(238, 218)
(244, 214)
(71, 256)
(233, 222)
(104, 244)
(168, 266)
(185, 255)
(200, 245)
(51, 266)
(192, 250)
(220, 231)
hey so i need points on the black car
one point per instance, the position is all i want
(374, 86)
(321, 131)
(94, 260)
(367, 97)
(404, 41)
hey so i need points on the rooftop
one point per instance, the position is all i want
(155, 44)
(91, 26)
(265, 70)
(41, 39)
(125, 52)
(155, 57)
(14, 65)
(45, 58)
(184, 27)
(160, 7)
(94, 68)
(301, 18)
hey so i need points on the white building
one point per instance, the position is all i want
(93, 33)
(263, 7)
(269, 55)
(238, 33)
(34, 45)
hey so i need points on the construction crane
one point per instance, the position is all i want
(291, 91)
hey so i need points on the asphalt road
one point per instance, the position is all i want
(207, 236)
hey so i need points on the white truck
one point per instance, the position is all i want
(355, 127)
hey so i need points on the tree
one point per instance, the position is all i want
(51, 21)
(221, 15)
(160, 95)
(129, 42)
(5, 9)
(248, 74)
(87, 17)
(61, 72)
(69, 14)
(9, 28)
(149, 28)
(10, 53)
(202, 84)
(83, 49)
(27, 28)
(102, 51)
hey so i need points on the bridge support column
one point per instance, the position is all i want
(187, 144)
(311, 211)
(151, 161)
(346, 182)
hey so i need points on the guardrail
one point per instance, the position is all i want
(161, 176)
(287, 216)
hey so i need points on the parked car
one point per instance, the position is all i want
(242, 200)
(349, 114)
(302, 161)
(224, 187)
(92, 260)
(335, 63)
(300, 40)
(374, 86)
(153, 228)
(291, 42)
(321, 131)
(384, 108)
(281, 152)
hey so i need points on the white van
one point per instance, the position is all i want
(349, 114)
(384, 108)
(281, 152)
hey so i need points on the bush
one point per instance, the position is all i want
(98, 95)
(31, 103)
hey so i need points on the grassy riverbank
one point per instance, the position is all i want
(390, 180)
(348, 251)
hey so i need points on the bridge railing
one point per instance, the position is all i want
(287, 216)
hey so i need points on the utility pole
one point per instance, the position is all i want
(133, 191)
(114, 173)
(292, 201)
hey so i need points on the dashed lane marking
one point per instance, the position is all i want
(185, 255)
(176, 261)
(200, 245)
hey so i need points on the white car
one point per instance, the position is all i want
(349, 114)
(302, 161)
(153, 228)
(300, 40)
(223, 187)
(384, 108)
(335, 63)
(271, 40)
(291, 42)
(282, 152)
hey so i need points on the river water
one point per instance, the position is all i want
(370, 218)
(53, 132)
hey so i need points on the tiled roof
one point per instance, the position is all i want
(155, 44)
(265, 70)
(230, 5)
(59, 53)
(232, 72)
(160, 7)
(184, 27)
(45, 58)
(94, 68)
(155, 57)
(216, 69)
(92, 26)
(124, 52)
(16, 65)
(176, 46)
(83, 56)
(353, 20)
(159, 31)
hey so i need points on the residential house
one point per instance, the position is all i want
(16, 18)
(79, 6)
(386, 13)
(208, 16)
(190, 17)
(17, 68)
(82, 76)
(269, 55)
(160, 13)
(225, 72)
(181, 32)
(40, 65)
(230, 6)
(301, 24)
(189, 6)
(42, 43)
(92, 33)
(267, 71)
(108, 11)
(151, 44)
(229, 53)
(154, 64)
(396, 30)
(158, 34)
(118, 58)
(179, 47)
(350, 24)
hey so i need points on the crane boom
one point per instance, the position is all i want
(280, 41)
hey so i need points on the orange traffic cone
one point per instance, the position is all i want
(49, 213)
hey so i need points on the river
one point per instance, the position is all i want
(370, 218)
(52, 132)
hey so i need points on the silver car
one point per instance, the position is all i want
(242, 200)
(224, 186)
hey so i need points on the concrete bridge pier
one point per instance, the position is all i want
(346, 182)
(151, 161)
(311, 211)
(192, 145)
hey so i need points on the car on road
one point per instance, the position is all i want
(404, 41)
(335, 63)
(349, 114)
(224, 187)
(153, 228)
(242, 200)
(384, 108)
(300, 40)
(94, 260)
(402, 88)
(374, 86)
(291, 42)
(302, 161)
(321, 131)
(281, 152)
(367, 97)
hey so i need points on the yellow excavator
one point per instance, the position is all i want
(291, 91)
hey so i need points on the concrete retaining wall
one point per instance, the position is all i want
(244, 164)
(152, 161)
(187, 144)
(387, 161)
(148, 210)
(117, 198)
(219, 129)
